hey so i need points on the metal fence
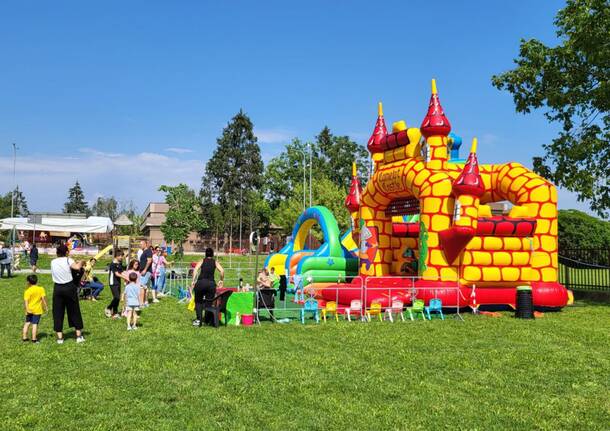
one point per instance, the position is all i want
(585, 269)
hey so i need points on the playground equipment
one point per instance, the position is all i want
(425, 213)
(333, 261)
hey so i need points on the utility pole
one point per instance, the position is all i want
(13, 196)
(310, 168)
(240, 212)
(304, 183)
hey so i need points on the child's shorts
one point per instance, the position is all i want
(32, 318)
(133, 307)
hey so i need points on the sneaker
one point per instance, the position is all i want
(196, 322)
(107, 312)
(129, 328)
(160, 295)
(116, 316)
(93, 299)
(25, 340)
(35, 342)
(60, 341)
(80, 339)
(155, 300)
(134, 327)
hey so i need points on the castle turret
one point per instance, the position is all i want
(467, 189)
(379, 133)
(435, 127)
(352, 201)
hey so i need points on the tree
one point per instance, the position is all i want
(337, 153)
(331, 156)
(20, 208)
(183, 216)
(572, 82)
(128, 208)
(76, 203)
(105, 207)
(234, 170)
(580, 230)
(284, 172)
(325, 193)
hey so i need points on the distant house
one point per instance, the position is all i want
(153, 218)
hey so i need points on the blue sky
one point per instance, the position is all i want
(125, 96)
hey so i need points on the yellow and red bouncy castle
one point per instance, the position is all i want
(424, 214)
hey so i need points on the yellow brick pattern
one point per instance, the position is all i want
(500, 261)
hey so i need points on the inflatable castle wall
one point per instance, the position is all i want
(425, 213)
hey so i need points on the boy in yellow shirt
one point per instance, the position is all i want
(35, 302)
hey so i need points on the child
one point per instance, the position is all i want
(35, 302)
(132, 300)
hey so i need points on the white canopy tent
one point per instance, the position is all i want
(59, 224)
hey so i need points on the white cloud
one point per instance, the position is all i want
(489, 138)
(273, 136)
(94, 152)
(178, 150)
(45, 179)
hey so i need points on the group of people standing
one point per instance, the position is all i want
(147, 273)
(149, 268)
(143, 275)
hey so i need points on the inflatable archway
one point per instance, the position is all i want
(332, 261)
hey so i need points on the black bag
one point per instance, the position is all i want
(77, 274)
(3, 255)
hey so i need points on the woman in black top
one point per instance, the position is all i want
(204, 286)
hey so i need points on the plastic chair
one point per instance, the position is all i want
(217, 306)
(374, 310)
(330, 308)
(265, 300)
(310, 306)
(397, 307)
(418, 307)
(355, 307)
(435, 306)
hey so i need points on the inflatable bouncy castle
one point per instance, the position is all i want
(424, 223)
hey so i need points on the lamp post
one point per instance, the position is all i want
(304, 171)
(240, 212)
(13, 196)
(310, 168)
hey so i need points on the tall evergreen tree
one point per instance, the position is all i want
(21, 204)
(234, 170)
(76, 203)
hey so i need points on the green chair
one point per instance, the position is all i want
(418, 307)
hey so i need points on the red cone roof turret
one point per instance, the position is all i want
(435, 123)
(379, 133)
(352, 201)
(469, 182)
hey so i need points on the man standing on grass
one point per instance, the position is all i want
(6, 261)
(34, 258)
(146, 259)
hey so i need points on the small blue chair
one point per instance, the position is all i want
(183, 294)
(435, 307)
(310, 306)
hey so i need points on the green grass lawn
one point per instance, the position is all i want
(484, 373)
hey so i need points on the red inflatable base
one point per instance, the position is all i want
(384, 290)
